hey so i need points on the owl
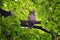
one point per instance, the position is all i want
(31, 19)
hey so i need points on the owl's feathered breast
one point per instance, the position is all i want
(31, 18)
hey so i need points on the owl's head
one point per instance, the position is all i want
(32, 12)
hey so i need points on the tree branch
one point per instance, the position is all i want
(5, 13)
(24, 23)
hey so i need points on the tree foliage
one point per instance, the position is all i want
(47, 11)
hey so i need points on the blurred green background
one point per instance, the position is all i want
(45, 10)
